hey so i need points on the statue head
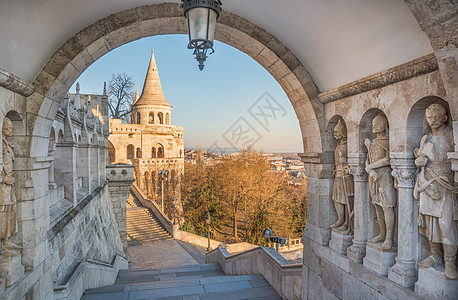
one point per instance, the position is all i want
(7, 128)
(340, 131)
(379, 124)
(436, 115)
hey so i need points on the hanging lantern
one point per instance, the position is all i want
(201, 16)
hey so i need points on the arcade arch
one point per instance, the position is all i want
(60, 71)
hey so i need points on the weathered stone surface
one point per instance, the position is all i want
(379, 260)
(432, 284)
(340, 242)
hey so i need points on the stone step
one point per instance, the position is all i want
(146, 229)
(142, 225)
(182, 281)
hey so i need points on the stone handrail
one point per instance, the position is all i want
(293, 245)
(87, 273)
(284, 277)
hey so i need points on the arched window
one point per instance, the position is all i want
(160, 152)
(153, 152)
(139, 153)
(130, 151)
(138, 118)
(111, 153)
(167, 118)
(160, 116)
(151, 118)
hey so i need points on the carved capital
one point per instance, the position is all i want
(405, 177)
(405, 172)
(359, 173)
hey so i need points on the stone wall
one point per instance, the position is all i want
(340, 266)
(85, 232)
(63, 208)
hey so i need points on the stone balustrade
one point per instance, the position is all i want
(284, 277)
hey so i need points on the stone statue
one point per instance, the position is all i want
(7, 196)
(342, 190)
(438, 213)
(381, 183)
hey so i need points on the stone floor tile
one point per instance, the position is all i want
(191, 297)
(220, 279)
(259, 282)
(227, 286)
(107, 296)
(166, 292)
(254, 293)
(164, 284)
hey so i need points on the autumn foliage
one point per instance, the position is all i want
(244, 197)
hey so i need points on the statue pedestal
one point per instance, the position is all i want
(11, 270)
(432, 284)
(357, 251)
(340, 242)
(403, 273)
(379, 260)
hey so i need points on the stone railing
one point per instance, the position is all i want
(293, 245)
(284, 277)
(84, 274)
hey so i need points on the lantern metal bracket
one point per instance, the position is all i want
(201, 46)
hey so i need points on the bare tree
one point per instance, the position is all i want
(120, 96)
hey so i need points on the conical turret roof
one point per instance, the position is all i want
(152, 93)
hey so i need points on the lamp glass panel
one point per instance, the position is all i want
(198, 20)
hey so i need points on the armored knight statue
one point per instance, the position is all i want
(381, 183)
(434, 188)
(7, 196)
(342, 190)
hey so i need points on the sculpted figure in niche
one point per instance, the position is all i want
(7, 196)
(342, 190)
(438, 213)
(381, 183)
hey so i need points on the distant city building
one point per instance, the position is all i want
(151, 143)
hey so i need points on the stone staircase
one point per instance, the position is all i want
(142, 225)
(193, 282)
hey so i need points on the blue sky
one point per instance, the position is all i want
(212, 105)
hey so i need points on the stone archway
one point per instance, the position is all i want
(79, 52)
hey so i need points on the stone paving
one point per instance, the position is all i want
(165, 254)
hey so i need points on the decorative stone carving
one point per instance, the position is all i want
(405, 177)
(434, 188)
(381, 185)
(343, 189)
(358, 172)
(8, 226)
(15, 84)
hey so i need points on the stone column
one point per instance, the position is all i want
(362, 209)
(65, 169)
(94, 166)
(404, 272)
(120, 177)
(82, 165)
(318, 168)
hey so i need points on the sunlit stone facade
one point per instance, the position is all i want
(152, 144)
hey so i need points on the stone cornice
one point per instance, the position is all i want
(15, 84)
(416, 67)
